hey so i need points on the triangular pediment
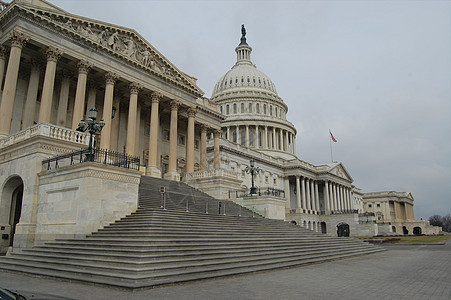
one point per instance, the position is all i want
(121, 42)
(340, 171)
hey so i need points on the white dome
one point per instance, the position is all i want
(244, 77)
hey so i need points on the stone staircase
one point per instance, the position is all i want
(153, 246)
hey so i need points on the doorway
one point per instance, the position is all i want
(343, 229)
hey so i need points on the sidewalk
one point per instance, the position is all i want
(402, 272)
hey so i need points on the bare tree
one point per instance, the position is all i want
(436, 220)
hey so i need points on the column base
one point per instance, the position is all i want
(153, 172)
(172, 175)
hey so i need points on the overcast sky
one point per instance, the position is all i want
(376, 73)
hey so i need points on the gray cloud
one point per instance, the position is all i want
(377, 73)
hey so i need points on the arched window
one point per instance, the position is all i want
(264, 109)
(227, 109)
(234, 108)
(276, 111)
(222, 110)
(250, 107)
(270, 110)
(242, 107)
(257, 107)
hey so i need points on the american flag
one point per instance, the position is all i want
(332, 137)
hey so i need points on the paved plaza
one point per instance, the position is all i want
(402, 272)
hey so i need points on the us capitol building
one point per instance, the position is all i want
(55, 67)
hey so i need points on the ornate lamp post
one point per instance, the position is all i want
(93, 127)
(253, 171)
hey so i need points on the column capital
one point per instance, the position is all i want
(18, 39)
(111, 77)
(53, 54)
(156, 97)
(175, 105)
(203, 128)
(191, 112)
(217, 133)
(84, 66)
(135, 88)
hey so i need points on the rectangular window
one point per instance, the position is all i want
(181, 140)
(196, 144)
(165, 135)
(147, 130)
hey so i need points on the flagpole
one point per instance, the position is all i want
(331, 154)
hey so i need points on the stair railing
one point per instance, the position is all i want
(206, 207)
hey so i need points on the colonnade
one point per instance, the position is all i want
(262, 137)
(110, 132)
(336, 197)
(307, 195)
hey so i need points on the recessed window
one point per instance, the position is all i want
(275, 181)
(378, 205)
(242, 107)
(181, 140)
(250, 107)
(266, 179)
(257, 107)
(264, 109)
(165, 135)
(369, 205)
(196, 144)
(147, 131)
(227, 109)
(234, 108)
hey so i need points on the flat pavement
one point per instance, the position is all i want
(402, 272)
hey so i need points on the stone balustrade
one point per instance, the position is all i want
(47, 130)
(210, 173)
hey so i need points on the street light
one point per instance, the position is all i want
(93, 127)
(253, 171)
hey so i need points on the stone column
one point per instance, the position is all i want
(110, 79)
(63, 101)
(326, 197)
(246, 142)
(203, 147)
(190, 141)
(138, 130)
(173, 137)
(336, 205)
(318, 208)
(298, 193)
(153, 169)
(228, 133)
(274, 140)
(304, 202)
(92, 93)
(32, 95)
(114, 123)
(53, 54)
(79, 105)
(257, 138)
(351, 204)
(281, 145)
(266, 137)
(2, 64)
(217, 134)
(287, 141)
(307, 186)
(18, 40)
(131, 124)
(294, 145)
(342, 198)
(238, 137)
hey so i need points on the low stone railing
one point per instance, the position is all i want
(210, 173)
(47, 130)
